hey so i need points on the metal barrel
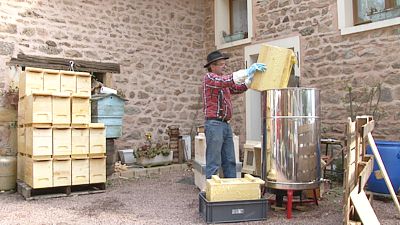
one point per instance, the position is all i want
(292, 131)
(8, 172)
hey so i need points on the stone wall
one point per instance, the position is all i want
(158, 43)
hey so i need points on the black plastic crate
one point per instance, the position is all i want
(232, 211)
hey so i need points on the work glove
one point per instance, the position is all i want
(240, 77)
(254, 67)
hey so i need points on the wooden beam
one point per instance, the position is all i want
(63, 64)
(363, 207)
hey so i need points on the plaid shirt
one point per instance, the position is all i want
(217, 92)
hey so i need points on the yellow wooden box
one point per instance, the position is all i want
(97, 138)
(38, 172)
(67, 81)
(80, 141)
(80, 169)
(61, 171)
(61, 104)
(51, 80)
(21, 111)
(80, 109)
(233, 189)
(21, 140)
(39, 141)
(20, 167)
(83, 83)
(30, 80)
(279, 63)
(38, 108)
(97, 169)
(61, 141)
(200, 148)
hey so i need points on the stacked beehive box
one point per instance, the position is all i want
(199, 163)
(57, 144)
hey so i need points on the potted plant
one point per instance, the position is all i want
(153, 154)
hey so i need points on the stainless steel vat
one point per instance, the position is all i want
(292, 138)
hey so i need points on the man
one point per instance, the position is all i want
(217, 106)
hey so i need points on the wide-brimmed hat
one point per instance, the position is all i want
(214, 56)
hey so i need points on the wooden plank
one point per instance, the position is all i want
(363, 208)
(367, 128)
(63, 64)
(383, 170)
(365, 172)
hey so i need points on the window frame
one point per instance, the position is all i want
(222, 20)
(346, 19)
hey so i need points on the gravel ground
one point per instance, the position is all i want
(168, 199)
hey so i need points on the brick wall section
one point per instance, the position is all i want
(331, 61)
(159, 44)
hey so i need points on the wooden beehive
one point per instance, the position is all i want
(61, 104)
(21, 140)
(21, 111)
(233, 189)
(97, 169)
(279, 63)
(38, 109)
(67, 81)
(30, 80)
(80, 109)
(80, 141)
(79, 170)
(252, 158)
(97, 138)
(38, 172)
(20, 167)
(61, 171)
(51, 80)
(83, 83)
(61, 141)
(39, 141)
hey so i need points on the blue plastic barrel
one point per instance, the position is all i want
(390, 154)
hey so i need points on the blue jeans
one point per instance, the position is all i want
(220, 150)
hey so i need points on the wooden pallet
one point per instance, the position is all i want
(56, 192)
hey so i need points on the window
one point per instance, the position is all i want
(362, 15)
(253, 98)
(233, 20)
(366, 11)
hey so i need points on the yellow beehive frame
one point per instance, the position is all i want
(61, 108)
(233, 189)
(279, 63)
